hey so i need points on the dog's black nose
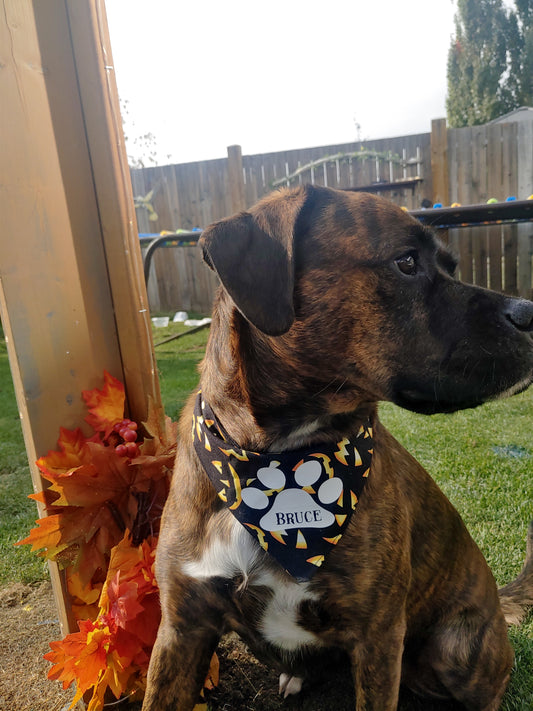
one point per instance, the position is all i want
(520, 313)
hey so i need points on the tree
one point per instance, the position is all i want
(520, 50)
(490, 60)
(141, 149)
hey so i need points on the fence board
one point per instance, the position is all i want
(509, 186)
(494, 184)
(524, 189)
(478, 182)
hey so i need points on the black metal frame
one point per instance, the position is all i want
(438, 218)
(472, 215)
(174, 239)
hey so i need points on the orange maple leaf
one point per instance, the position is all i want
(131, 568)
(72, 453)
(89, 594)
(106, 406)
(107, 477)
(79, 537)
(161, 433)
(84, 597)
(90, 657)
(114, 677)
(213, 675)
(48, 534)
(133, 563)
(80, 656)
(123, 602)
(89, 507)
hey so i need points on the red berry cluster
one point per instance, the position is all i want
(127, 431)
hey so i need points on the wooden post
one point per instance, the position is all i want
(236, 179)
(524, 190)
(439, 161)
(72, 293)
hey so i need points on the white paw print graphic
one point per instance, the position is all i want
(293, 508)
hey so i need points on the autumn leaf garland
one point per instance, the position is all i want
(113, 650)
(103, 505)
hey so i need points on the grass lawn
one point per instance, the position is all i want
(482, 459)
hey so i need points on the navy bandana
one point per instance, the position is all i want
(297, 504)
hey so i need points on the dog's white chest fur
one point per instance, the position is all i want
(240, 555)
(279, 624)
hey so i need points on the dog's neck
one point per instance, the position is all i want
(295, 403)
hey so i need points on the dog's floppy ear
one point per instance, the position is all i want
(252, 253)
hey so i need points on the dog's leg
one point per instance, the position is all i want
(477, 669)
(470, 659)
(517, 596)
(377, 667)
(178, 667)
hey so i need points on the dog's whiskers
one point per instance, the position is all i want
(326, 387)
(341, 386)
(329, 385)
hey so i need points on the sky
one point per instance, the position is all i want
(201, 75)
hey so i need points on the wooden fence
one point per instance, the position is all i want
(484, 162)
(467, 165)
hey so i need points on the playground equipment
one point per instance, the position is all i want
(494, 212)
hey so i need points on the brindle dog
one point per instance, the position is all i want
(330, 302)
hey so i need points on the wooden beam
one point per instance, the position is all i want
(72, 298)
(439, 161)
(236, 179)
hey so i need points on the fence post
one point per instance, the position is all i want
(439, 161)
(236, 179)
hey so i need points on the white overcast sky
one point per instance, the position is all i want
(201, 75)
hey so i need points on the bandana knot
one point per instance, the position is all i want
(297, 504)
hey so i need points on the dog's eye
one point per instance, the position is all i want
(407, 264)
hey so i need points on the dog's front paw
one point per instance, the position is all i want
(289, 685)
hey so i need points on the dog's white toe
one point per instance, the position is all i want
(289, 685)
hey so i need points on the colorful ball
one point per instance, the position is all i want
(491, 201)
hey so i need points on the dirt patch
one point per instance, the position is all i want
(28, 622)
(247, 685)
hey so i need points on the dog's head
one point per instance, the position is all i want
(360, 299)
